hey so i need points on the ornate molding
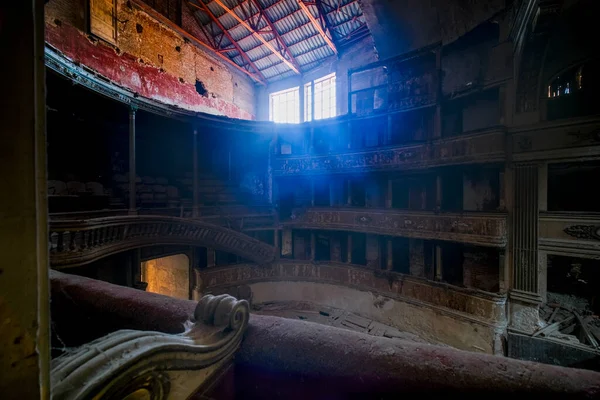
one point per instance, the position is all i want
(78, 242)
(588, 232)
(479, 229)
(130, 364)
(484, 147)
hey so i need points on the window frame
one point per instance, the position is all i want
(295, 92)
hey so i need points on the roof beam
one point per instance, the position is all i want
(165, 21)
(316, 24)
(259, 36)
(201, 6)
(285, 48)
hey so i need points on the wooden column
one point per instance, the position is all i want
(349, 196)
(24, 287)
(132, 173)
(313, 246)
(196, 188)
(389, 194)
(390, 254)
(439, 272)
(276, 239)
(438, 192)
(349, 250)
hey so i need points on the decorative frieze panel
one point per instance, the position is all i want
(575, 234)
(575, 138)
(482, 147)
(78, 242)
(484, 306)
(473, 228)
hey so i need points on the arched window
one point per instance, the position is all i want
(573, 92)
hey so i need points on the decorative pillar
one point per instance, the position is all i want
(349, 188)
(132, 174)
(437, 122)
(196, 189)
(311, 143)
(390, 254)
(286, 245)
(313, 246)
(349, 249)
(438, 263)
(438, 192)
(525, 294)
(389, 194)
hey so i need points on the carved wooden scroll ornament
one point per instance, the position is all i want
(130, 364)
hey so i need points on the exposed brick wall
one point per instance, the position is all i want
(151, 60)
(481, 269)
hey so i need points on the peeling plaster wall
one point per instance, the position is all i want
(156, 63)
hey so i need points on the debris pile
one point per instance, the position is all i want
(569, 318)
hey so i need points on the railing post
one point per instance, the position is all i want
(195, 195)
(132, 173)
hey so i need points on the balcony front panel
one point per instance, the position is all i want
(481, 147)
(482, 306)
(574, 138)
(570, 233)
(483, 229)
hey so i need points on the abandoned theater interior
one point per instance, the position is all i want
(294, 199)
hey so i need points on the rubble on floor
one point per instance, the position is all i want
(334, 317)
(570, 319)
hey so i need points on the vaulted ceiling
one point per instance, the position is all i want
(274, 39)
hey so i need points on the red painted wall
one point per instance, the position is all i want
(155, 63)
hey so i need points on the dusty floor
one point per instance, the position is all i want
(334, 317)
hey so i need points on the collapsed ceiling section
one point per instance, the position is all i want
(274, 39)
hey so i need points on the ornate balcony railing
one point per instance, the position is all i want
(310, 360)
(481, 147)
(575, 137)
(77, 242)
(570, 233)
(484, 306)
(484, 229)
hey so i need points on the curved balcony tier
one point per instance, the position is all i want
(482, 147)
(485, 229)
(463, 318)
(78, 242)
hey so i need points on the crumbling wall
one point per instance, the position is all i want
(152, 60)
(481, 269)
(480, 190)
